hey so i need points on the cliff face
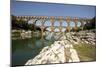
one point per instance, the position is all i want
(62, 50)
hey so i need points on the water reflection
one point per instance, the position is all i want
(25, 49)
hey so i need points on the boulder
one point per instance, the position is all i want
(59, 52)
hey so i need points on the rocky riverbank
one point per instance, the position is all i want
(62, 50)
(59, 52)
(87, 36)
(24, 34)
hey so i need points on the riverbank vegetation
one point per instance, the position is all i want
(22, 24)
(86, 52)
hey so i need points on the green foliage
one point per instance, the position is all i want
(86, 52)
(91, 25)
(22, 24)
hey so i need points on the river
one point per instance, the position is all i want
(25, 49)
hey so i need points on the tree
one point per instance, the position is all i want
(91, 25)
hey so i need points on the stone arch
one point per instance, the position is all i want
(56, 29)
(63, 29)
(82, 24)
(47, 23)
(78, 24)
(56, 23)
(48, 29)
(72, 25)
(64, 24)
(32, 21)
(38, 23)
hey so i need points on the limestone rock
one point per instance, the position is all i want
(59, 52)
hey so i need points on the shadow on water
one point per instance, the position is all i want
(25, 49)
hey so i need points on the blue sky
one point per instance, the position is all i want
(46, 9)
(34, 8)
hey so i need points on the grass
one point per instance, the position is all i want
(86, 52)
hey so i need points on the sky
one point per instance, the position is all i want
(19, 8)
(47, 9)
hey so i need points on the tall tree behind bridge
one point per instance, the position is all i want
(91, 24)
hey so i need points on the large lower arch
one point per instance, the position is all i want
(79, 25)
(64, 25)
(38, 23)
(56, 23)
(48, 29)
(72, 25)
(56, 30)
(47, 23)
(32, 21)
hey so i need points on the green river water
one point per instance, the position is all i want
(25, 49)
